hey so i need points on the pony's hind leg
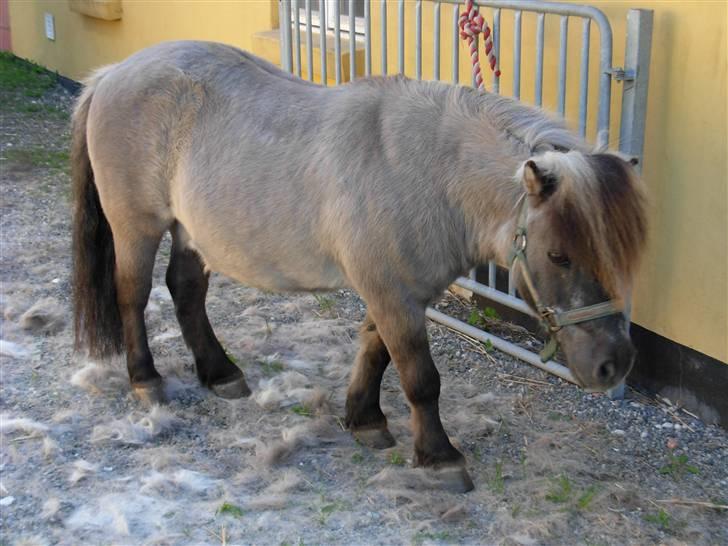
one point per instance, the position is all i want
(134, 265)
(364, 416)
(188, 282)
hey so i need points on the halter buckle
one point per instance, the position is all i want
(519, 242)
(548, 314)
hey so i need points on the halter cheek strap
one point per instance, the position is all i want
(552, 320)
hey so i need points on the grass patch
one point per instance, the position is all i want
(271, 368)
(302, 410)
(661, 519)
(396, 459)
(587, 497)
(439, 536)
(479, 317)
(561, 490)
(497, 483)
(24, 77)
(325, 303)
(39, 157)
(328, 508)
(678, 466)
(230, 510)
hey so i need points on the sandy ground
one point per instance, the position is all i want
(82, 462)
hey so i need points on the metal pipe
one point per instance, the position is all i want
(352, 41)
(491, 274)
(538, 94)
(563, 39)
(496, 46)
(297, 36)
(455, 45)
(550, 366)
(337, 41)
(309, 42)
(436, 43)
(383, 30)
(285, 24)
(400, 37)
(418, 39)
(517, 55)
(492, 293)
(367, 39)
(584, 79)
(322, 41)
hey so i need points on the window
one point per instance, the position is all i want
(330, 19)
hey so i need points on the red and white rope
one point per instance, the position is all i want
(471, 24)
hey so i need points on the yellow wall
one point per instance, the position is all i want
(682, 290)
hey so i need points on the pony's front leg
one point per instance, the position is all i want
(402, 329)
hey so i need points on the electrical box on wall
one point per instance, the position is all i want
(50, 26)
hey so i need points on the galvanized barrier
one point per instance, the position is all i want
(633, 75)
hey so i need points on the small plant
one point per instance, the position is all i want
(661, 518)
(491, 313)
(302, 410)
(230, 509)
(329, 508)
(272, 367)
(479, 317)
(475, 319)
(586, 498)
(561, 490)
(497, 483)
(488, 344)
(678, 465)
(396, 459)
(357, 458)
(325, 303)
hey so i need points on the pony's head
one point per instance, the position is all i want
(583, 230)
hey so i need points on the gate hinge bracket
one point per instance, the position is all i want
(620, 74)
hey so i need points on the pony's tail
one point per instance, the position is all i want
(97, 322)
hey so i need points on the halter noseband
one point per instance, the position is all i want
(551, 319)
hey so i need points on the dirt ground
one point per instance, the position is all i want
(82, 462)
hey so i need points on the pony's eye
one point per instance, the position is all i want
(559, 259)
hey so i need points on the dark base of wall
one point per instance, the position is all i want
(691, 379)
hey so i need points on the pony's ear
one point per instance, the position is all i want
(537, 182)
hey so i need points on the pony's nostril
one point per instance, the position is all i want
(606, 371)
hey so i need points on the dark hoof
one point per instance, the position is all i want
(237, 388)
(376, 438)
(151, 392)
(453, 478)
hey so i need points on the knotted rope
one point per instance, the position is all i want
(471, 24)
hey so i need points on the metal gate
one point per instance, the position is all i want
(298, 17)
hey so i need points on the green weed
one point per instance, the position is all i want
(497, 483)
(561, 490)
(661, 518)
(272, 367)
(230, 509)
(357, 458)
(302, 410)
(325, 303)
(396, 459)
(39, 157)
(677, 466)
(586, 497)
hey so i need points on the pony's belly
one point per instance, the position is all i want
(297, 272)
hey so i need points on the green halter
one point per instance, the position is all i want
(552, 320)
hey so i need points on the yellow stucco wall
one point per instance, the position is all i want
(682, 289)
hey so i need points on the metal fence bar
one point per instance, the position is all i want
(436, 42)
(517, 55)
(352, 41)
(383, 16)
(494, 294)
(496, 46)
(418, 39)
(322, 41)
(634, 96)
(284, 15)
(337, 41)
(551, 366)
(309, 42)
(491, 274)
(367, 39)
(538, 92)
(584, 79)
(563, 39)
(455, 45)
(297, 36)
(400, 37)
